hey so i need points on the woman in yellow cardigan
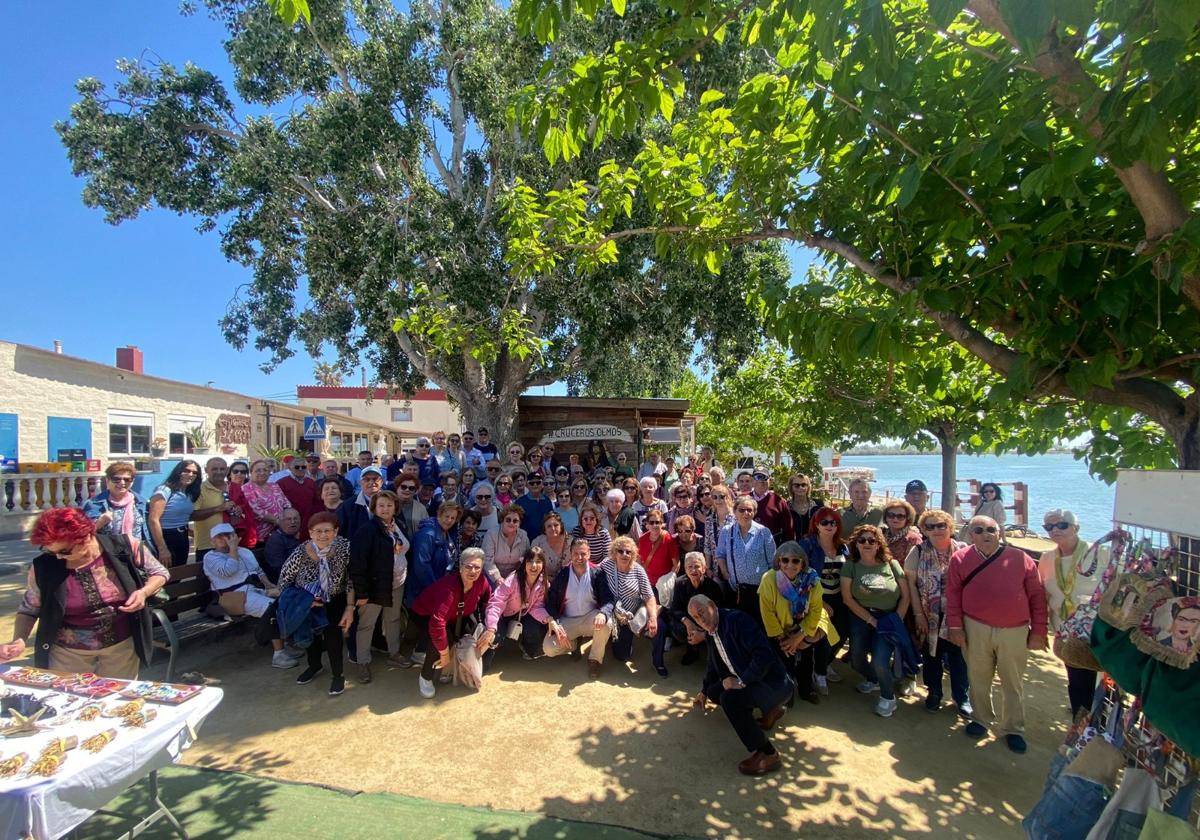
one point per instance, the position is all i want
(793, 616)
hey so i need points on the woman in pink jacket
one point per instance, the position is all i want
(517, 609)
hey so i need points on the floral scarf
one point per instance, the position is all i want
(931, 589)
(796, 592)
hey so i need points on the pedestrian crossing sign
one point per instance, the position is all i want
(314, 427)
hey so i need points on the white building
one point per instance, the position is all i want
(425, 412)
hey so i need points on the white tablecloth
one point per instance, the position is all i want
(86, 782)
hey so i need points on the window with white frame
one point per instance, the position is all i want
(178, 426)
(129, 433)
(402, 415)
(344, 410)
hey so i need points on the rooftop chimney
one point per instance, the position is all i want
(57, 346)
(129, 358)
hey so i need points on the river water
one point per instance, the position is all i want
(1054, 481)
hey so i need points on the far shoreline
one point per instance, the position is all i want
(935, 452)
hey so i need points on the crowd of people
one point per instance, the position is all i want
(456, 546)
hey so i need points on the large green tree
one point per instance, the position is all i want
(354, 169)
(1022, 176)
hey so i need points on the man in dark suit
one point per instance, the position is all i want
(743, 674)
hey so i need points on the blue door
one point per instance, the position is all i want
(9, 441)
(68, 433)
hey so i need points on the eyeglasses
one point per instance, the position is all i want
(504, 484)
(1057, 526)
(683, 529)
(121, 479)
(535, 481)
(720, 497)
(896, 514)
(471, 567)
(370, 478)
(630, 487)
(624, 552)
(706, 495)
(512, 520)
(867, 541)
(493, 469)
(657, 522)
(239, 472)
(799, 486)
(936, 526)
(789, 559)
(746, 510)
(979, 529)
(62, 553)
(827, 522)
(300, 466)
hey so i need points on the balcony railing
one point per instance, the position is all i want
(23, 494)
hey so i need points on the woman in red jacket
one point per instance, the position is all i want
(444, 611)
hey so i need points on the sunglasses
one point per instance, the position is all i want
(720, 496)
(657, 522)
(408, 488)
(483, 497)
(827, 522)
(746, 510)
(706, 495)
(62, 554)
(239, 472)
(121, 479)
(867, 541)
(979, 529)
(512, 520)
(789, 559)
(625, 552)
(535, 481)
(936, 526)
(896, 514)
(1057, 526)
(493, 469)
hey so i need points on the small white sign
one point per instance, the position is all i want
(587, 431)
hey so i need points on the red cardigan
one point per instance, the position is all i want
(1008, 593)
(774, 513)
(440, 602)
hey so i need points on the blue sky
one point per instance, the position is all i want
(68, 275)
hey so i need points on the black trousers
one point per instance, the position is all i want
(1081, 688)
(178, 544)
(739, 706)
(745, 598)
(800, 666)
(331, 639)
(823, 652)
(533, 632)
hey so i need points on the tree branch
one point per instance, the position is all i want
(312, 192)
(458, 119)
(430, 371)
(572, 362)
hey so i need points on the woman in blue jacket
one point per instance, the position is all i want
(433, 550)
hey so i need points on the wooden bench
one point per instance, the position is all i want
(182, 617)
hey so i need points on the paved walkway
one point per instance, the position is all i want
(15, 556)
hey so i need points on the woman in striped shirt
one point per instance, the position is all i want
(635, 609)
(589, 531)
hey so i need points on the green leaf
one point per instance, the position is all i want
(1030, 21)
(666, 104)
(910, 180)
(619, 7)
(1037, 133)
(711, 96)
(944, 12)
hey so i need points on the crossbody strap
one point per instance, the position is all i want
(980, 568)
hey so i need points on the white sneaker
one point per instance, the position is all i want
(885, 708)
(418, 658)
(280, 659)
(294, 652)
(832, 675)
(822, 685)
(867, 687)
(428, 689)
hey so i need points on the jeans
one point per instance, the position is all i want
(824, 652)
(669, 625)
(533, 633)
(949, 657)
(864, 642)
(1067, 810)
(739, 706)
(799, 667)
(177, 544)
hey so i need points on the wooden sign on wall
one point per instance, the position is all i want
(587, 431)
(233, 429)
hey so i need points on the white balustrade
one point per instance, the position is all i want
(25, 494)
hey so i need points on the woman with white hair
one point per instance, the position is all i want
(647, 500)
(619, 518)
(1070, 576)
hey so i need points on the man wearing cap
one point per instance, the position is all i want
(365, 459)
(562, 478)
(535, 504)
(302, 493)
(772, 510)
(471, 457)
(240, 584)
(427, 495)
(355, 512)
(313, 461)
(484, 443)
(917, 495)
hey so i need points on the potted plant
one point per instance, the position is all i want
(199, 437)
(158, 447)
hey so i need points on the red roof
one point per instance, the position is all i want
(327, 392)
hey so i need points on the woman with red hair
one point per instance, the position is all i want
(87, 594)
(826, 552)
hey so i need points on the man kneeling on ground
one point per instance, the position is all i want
(240, 584)
(743, 674)
(580, 605)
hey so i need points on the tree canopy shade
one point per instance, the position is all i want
(360, 180)
(1020, 176)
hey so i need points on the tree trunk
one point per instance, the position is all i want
(497, 413)
(1185, 432)
(949, 475)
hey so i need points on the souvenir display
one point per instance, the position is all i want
(136, 720)
(1072, 641)
(23, 724)
(89, 685)
(130, 708)
(89, 712)
(100, 741)
(1170, 631)
(12, 765)
(170, 693)
(32, 677)
(1130, 594)
(52, 757)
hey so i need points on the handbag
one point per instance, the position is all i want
(1169, 631)
(1125, 813)
(1144, 582)
(468, 663)
(1072, 641)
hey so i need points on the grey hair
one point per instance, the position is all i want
(615, 495)
(471, 554)
(1063, 514)
(700, 601)
(695, 555)
(647, 481)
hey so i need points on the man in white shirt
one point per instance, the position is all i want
(654, 466)
(580, 606)
(233, 571)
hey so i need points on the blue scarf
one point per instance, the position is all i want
(797, 591)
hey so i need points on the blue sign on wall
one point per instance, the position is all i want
(67, 433)
(10, 440)
(314, 427)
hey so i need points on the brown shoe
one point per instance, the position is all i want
(770, 718)
(758, 764)
(593, 669)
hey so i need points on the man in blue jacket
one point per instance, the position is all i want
(743, 674)
(580, 605)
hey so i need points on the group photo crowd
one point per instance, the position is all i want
(458, 551)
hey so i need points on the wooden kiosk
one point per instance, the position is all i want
(622, 425)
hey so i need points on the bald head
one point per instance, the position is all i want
(704, 612)
(984, 533)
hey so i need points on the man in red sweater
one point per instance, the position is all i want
(302, 493)
(772, 511)
(996, 612)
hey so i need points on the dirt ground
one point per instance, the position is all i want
(624, 750)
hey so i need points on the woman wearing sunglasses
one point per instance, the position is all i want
(826, 552)
(745, 551)
(794, 617)
(117, 509)
(1070, 582)
(170, 509)
(876, 593)
(925, 568)
(991, 505)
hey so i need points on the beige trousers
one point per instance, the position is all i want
(393, 617)
(580, 626)
(119, 661)
(1003, 651)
